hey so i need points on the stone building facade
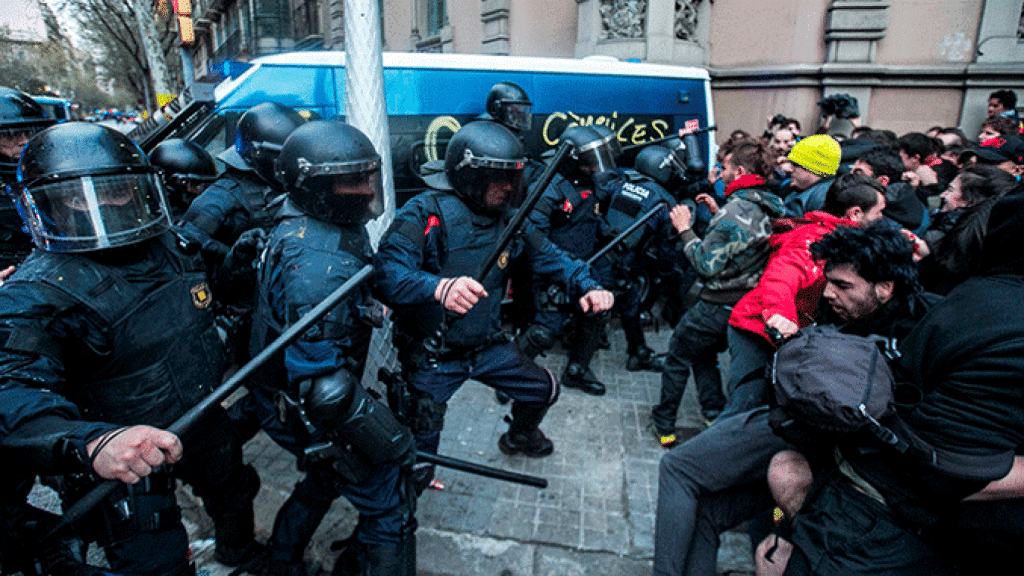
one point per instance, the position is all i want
(911, 65)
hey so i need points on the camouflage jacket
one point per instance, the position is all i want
(733, 253)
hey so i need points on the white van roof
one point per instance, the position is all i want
(598, 65)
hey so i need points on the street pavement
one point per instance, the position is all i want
(596, 517)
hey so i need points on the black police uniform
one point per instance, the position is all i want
(91, 343)
(434, 236)
(628, 196)
(238, 201)
(15, 244)
(568, 213)
(307, 259)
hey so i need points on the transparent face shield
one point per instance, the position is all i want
(517, 115)
(97, 212)
(595, 157)
(350, 192)
(495, 184)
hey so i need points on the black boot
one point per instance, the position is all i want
(576, 376)
(233, 522)
(644, 359)
(395, 560)
(523, 436)
(294, 526)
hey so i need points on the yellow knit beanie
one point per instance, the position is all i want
(818, 154)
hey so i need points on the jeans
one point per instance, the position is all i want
(749, 357)
(709, 484)
(696, 342)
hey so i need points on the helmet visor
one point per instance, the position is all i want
(497, 189)
(94, 212)
(517, 115)
(349, 197)
(597, 159)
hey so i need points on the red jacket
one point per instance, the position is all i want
(792, 281)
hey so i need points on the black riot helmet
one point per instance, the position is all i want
(508, 103)
(20, 118)
(84, 187)
(484, 163)
(659, 163)
(187, 167)
(331, 172)
(260, 133)
(611, 138)
(591, 153)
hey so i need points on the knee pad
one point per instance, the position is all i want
(535, 340)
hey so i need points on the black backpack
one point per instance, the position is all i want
(843, 384)
(833, 381)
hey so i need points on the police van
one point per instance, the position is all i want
(430, 96)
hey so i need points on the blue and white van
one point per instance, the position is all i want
(429, 96)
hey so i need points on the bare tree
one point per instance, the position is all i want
(110, 28)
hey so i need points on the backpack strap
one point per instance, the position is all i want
(958, 465)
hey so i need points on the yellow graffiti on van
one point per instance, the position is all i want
(628, 129)
(430, 138)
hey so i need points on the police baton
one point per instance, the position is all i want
(524, 210)
(436, 343)
(481, 470)
(187, 421)
(711, 128)
(625, 233)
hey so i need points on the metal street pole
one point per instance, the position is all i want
(364, 95)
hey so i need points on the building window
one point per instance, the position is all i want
(623, 19)
(306, 18)
(686, 19)
(437, 17)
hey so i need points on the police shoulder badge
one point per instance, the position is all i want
(201, 296)
(503, 260)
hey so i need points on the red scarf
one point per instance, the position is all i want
(745, 181)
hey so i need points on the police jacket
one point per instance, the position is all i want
(90, 343)
(15, 243)
(625, 197)
(305, 260)
(238, 201)
(434, 236)
(568, 213)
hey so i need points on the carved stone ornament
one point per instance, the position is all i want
(686, 19)
(623, 19)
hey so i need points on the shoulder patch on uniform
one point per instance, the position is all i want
(201, 296)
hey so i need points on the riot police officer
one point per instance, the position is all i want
(20, 118)
(247, 194)
(108, 337)
(568, 213)
(509, 105)
(241, 202)
(625, 197)
(423, 269)
(188, 170)
(348, 444)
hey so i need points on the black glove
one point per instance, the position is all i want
(245, 249)
(236, 275)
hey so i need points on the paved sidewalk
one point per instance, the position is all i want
(595, 518)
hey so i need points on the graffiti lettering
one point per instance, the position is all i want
(430, 138)
(628, 130)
